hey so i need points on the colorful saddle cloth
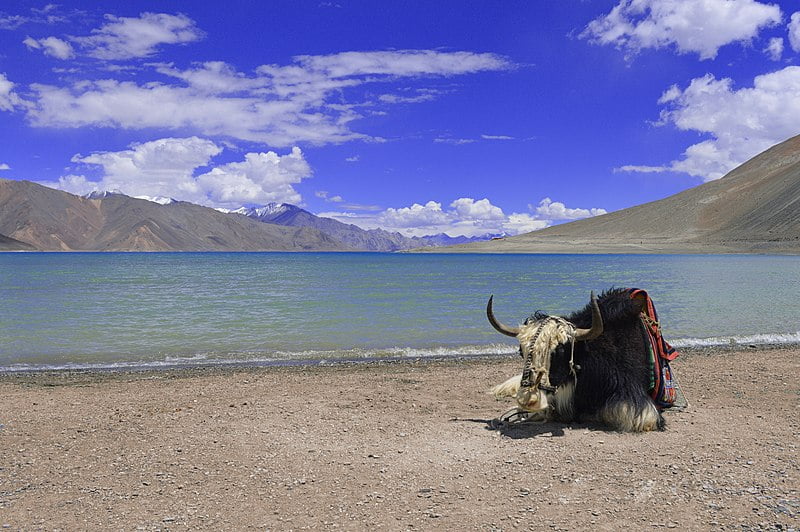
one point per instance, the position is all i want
(663, 388)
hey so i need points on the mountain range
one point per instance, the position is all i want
(349, 234)
(34, 217)
(755, 208)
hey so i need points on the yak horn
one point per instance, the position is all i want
(597, 324)
(499, 327)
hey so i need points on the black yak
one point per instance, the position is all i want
(590, 366)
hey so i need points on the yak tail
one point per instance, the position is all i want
(508, 388)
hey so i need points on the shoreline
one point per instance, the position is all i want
(453, 250)
(244, 366)
(393, 445)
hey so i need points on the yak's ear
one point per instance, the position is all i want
(640, 300)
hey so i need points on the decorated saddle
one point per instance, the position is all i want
(663, 387)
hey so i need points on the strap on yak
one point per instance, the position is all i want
(660, 352)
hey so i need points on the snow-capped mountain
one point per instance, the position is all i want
(102, 194)
(161, 200)
(266, 213)
(351, 235)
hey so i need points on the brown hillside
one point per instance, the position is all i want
(754, 208)
(52, 220)
(9, 244)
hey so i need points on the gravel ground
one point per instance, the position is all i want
(395, 446)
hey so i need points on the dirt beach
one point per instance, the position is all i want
(395, 446)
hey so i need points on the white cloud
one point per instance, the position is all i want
(4, 166)
(399, 98)
(129, 37)
(416, 216)
(52, 46)
(420, 220)
(741, 123)
(8, 98)
(166, 168)
(468, 208)
(671, 94)
(162, 167)
(700, 26)
(49, 14)
(794, 31)
(323, 194)
(519, 223)
(261, 178)
(466, 216)
(279, 105)
(555, 210)
(74, 184)
(353, 159)
(214, 77)
(459, 141)
(314, 76)
(401, 63)
(110, 103)
(12, 22)
(775, 48)
(454, 142)
(642, 169)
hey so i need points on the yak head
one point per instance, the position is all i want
(547, 342)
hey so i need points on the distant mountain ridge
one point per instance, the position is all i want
(755, 208)
(35, 217)
(351, 235)
(40, 218)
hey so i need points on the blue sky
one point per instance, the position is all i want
(421, 117)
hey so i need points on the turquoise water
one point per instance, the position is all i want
(123, 309)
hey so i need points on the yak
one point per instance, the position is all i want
(590, 366)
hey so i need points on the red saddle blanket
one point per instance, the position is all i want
(662, 385)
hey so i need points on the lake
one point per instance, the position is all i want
(117, 310)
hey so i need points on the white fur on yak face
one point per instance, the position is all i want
(551, 334)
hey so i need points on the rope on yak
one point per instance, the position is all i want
(573, 368)
(527, 369)
(558, 331)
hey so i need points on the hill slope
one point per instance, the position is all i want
(52, 220)
(10, 244)
(755, 208)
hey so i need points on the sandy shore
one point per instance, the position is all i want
(397, 446)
